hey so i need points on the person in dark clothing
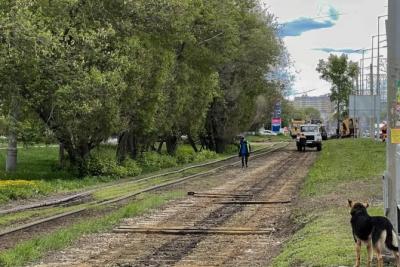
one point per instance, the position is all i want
(244, 151)
(303, 142)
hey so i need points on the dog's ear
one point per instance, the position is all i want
(366, 205)
(350, 203)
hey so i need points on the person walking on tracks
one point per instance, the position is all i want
(244, 151)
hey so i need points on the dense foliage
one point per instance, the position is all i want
(340, 72)
(147, 71)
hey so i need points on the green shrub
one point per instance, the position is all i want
(132, 167)
(153, 161)
(102, 162)
(185, 154)
(231, 149)
(205, 155)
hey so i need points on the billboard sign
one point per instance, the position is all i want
(277, 110)
(276, 124)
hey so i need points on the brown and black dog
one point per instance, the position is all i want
(374, 231)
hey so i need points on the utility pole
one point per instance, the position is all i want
(372, 119)
(371, 84)
(378, 81)
(378, 77)
(362, 72)
(393, 37)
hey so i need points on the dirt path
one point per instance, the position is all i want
(273, 178)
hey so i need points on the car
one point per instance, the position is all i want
(266, 132)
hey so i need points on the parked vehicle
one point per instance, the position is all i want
(348, 127)
(295, 127)
(323, 132)
(266, 132)
(312, 135)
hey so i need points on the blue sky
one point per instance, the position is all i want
(311, 29)
(298, 26)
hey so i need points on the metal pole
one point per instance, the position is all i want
(371, 73)
(372, 119)
(378, 81)
(393, 36)
(378, 77)
(362, 71)
(360, 74)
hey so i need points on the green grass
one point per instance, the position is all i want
(12, 218)
(36, 248)
(345, 169)
(35, 163)
(343, 161)
(263, 138)
(40, 164)
(326, 241)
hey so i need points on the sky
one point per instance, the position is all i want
(311, 29)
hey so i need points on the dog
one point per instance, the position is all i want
(374, 231)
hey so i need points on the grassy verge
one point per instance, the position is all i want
(38, 173)
(345, 169)
(36, 248)
(268, 138)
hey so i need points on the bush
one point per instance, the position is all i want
(132, 167)
(103, 163)
(186, 154)
(153, 161)
(232, 149)
(205, 155)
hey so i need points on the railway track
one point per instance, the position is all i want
(239, 223)
(22, 232)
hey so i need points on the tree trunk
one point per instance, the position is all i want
(219, 145)
(61, 155)
(172, 144)
(192, 143)
(78, 157)
(159, 149)
(338, 119)
(122, 147)
(126, 145)
(11, 162)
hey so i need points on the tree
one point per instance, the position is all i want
(311, 113)
(340, 72)
(144, 70)
(243, 78)
(61, 60)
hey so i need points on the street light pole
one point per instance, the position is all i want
(371, 84)
(378, 77)
(378, 81)
(392, 177)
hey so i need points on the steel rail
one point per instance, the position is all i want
(131, 195)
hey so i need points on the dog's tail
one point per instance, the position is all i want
(391, 240)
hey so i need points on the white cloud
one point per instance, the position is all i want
(353, 30)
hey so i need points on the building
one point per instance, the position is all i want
(321, 103)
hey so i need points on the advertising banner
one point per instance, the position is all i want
(276, 124)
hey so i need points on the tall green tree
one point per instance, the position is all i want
(243, 78)
(340, 72)
(60, 59)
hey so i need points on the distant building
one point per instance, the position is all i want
(321, 103)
